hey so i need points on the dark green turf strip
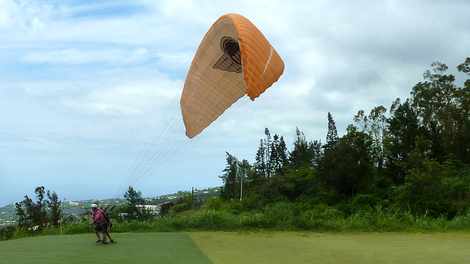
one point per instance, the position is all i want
(132, 248)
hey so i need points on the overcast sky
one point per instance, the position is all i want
(89, 90)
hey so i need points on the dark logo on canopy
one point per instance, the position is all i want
(231, 59)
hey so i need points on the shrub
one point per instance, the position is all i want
(280, 215)
(78, 228)
(254, 220)
(180, 207)
(7, 232)
(320, 217)
(253, 202)
(214, 203)
(434, 189)
(363, 201)
(211, 220)
(460, 222)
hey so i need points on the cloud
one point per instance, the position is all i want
(22, 16)
(132, 98)
(5, 12)
(76, 56)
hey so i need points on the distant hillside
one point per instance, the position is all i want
(7, 214)
(77, 208)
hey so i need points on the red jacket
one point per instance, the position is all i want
(98, 216)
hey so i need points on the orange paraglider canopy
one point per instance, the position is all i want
(234, 59)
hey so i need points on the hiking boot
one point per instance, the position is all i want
(105, 242)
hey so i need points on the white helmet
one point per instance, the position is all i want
(94, 206)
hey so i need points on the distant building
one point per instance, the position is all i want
(72, 203)
(165, 208)
(152, 209)
(123, 215)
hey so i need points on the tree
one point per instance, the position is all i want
(435, 189)
(282, 154)
(30, 212)
(278, 158)
(400, 141)
(299, 183)
(398, 157)
(316, 149)
(348, 168)
(245, 170)
(134, 199)
(268, 152)
(302, 154)
(465, 66)
(332, 135)
(21, 215)
(375, 125)
(40, 206)
(463, 102)
(260, 162)
(54, 206)
(229, 178)
(271, 157)
(35, 213)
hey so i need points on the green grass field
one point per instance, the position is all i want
(227, 248)
(364, 248)
(132, 248)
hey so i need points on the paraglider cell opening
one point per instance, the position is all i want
(230, 61)
(231, 48)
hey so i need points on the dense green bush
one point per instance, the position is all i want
(280, 215)
(364, 201)
(254, 220)
(276, 216)
(321, 217)
(214, 203)
(435, 189)
(7, 232)
(459, 222)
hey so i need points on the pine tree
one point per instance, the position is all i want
(229, 177)
(40, 213)
(35, 213)
(347, 168)
(316, 149)
(244, 172)
(267, 154)
(29, 210)
(54, 205)
(134, 198)
(278, 158)
(282, 153)
(260, 162)
(301, 155)
(332, 135)
(21, 215)
(274, 156)
(375, 126)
